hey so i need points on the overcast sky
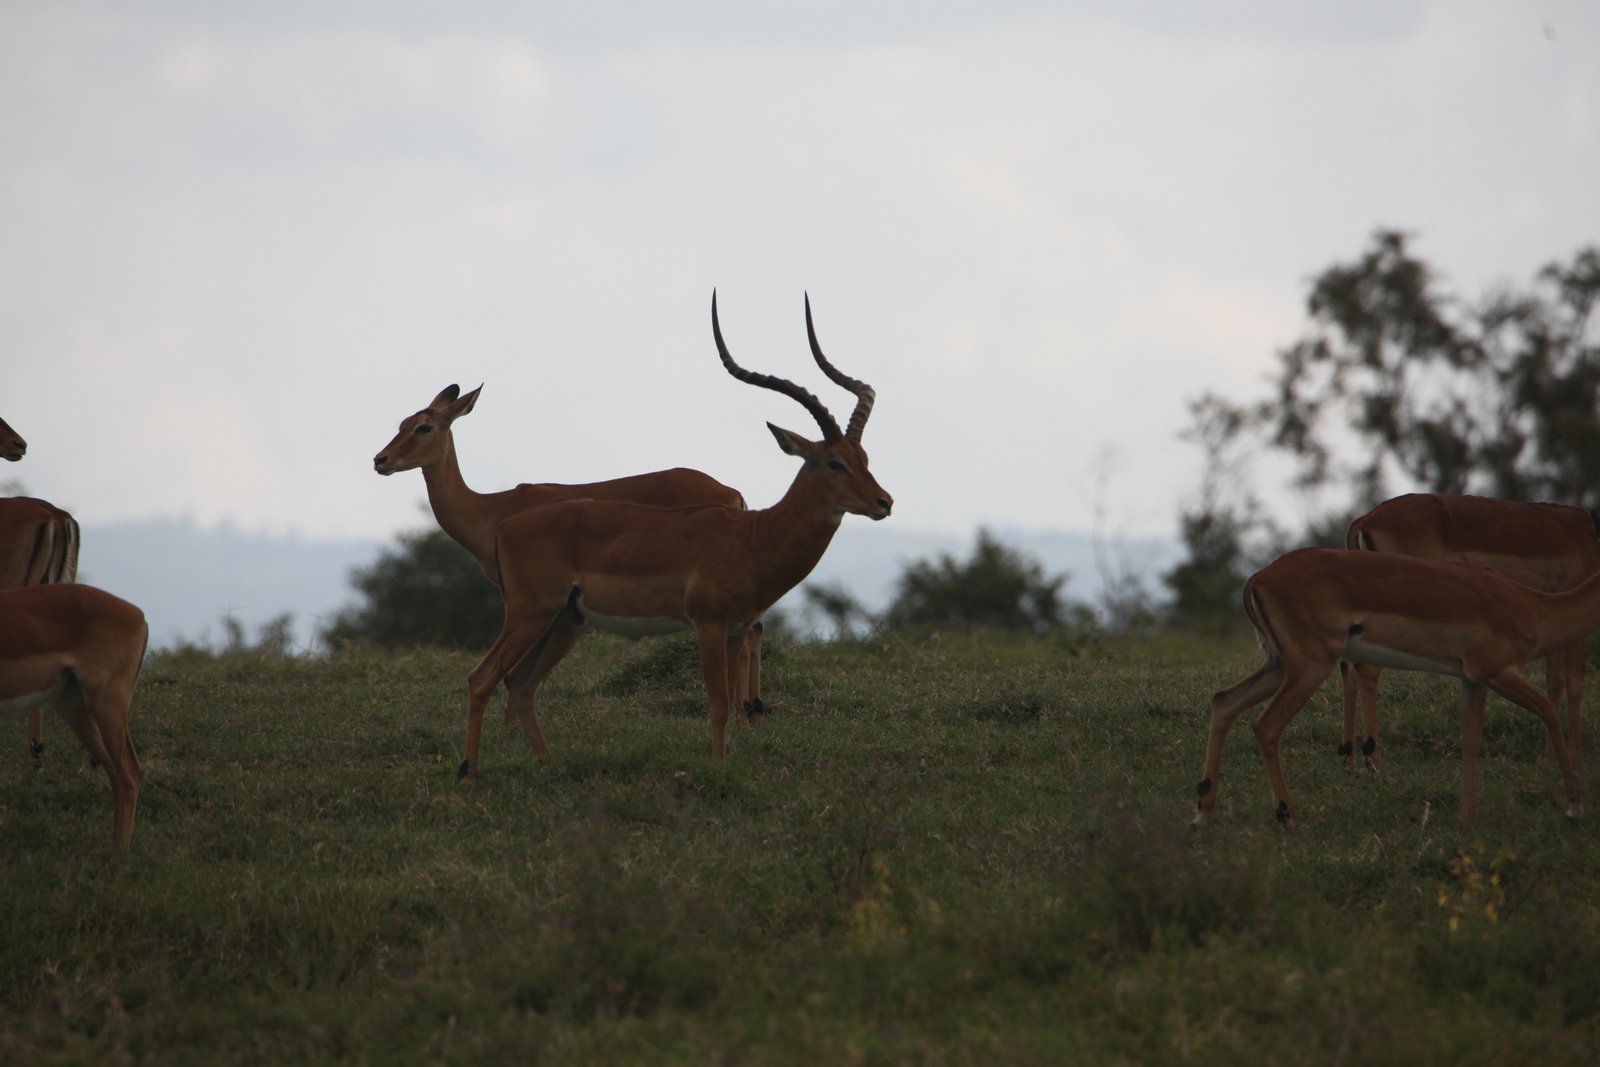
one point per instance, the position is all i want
(238, 243)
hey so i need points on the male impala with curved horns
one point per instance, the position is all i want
(472, 519)
(1317, 607)
(38, 546)
(1548, 547)
(630, 569)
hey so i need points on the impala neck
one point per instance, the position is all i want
(1570, 616)
(461, 513)
(791, 536)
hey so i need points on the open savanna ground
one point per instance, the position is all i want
(943, 851)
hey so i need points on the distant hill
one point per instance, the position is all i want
(186, 578)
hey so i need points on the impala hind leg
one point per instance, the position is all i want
(523, 682)
(1226, 706)
(36, 733)
(99, 717)
(715, 647)
(1517, 689)
(750, 700)
(516, 641)
(1297, 688)
(1563, 673)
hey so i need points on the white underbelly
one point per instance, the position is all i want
(29, 701)
(1359, 651)
(629, 626)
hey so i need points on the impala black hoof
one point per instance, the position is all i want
(1283, 812)
(461, 771)
(36, 749)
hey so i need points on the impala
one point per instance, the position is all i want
(1316, 607)
(1548, 547)
(472, 519)
(38, 546)
(631, 569)
(78, 650)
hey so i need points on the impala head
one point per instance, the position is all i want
(12, 446)
(424, 438)
(837, 463)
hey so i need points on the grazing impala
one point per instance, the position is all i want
(1317, 607)
(630, 569)
(38, 546)
(1548, 547)
(78, 650)
(472, 519)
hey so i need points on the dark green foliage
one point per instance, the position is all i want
(426, 591)
(1500, 396)
(997, 589)
(1206, 586)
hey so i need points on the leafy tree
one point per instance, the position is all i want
(426, 591)
(1495, 396)
(1224, 529)
(997, 588)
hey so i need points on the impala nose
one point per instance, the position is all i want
(886, 505)
(378, 462)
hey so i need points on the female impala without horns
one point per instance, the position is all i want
(1548, 547)
(1317, 607)
(630, 569)
(38, 546)
(473, 519)
(78, 650)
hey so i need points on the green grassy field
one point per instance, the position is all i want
(948, 851)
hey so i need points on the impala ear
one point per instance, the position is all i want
(447, 395)
(793, 443)
(458, 408)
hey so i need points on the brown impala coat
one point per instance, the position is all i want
(78, 650)
(632, 569)
(38, 546)
(1315, 607)
(1548, 547)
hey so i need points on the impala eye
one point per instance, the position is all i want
(423, 429)
(836, 465)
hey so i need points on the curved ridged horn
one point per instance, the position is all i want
(830, 428)
(865, 394)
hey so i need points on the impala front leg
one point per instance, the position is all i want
(1473, 698)
(714, 650)
(753, 708)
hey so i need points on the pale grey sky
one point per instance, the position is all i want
(239, 242)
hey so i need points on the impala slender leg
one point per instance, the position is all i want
(1473, 698)
(753, 708)
(1563, 673)
(714, 643)
(1226, 706)
(514, 643)
(1286, 703)
(1367, 687)
(524, 680)
(739, 673)
(1348, 684)
(1515, 688)
(1576, 664)
(36, 733)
